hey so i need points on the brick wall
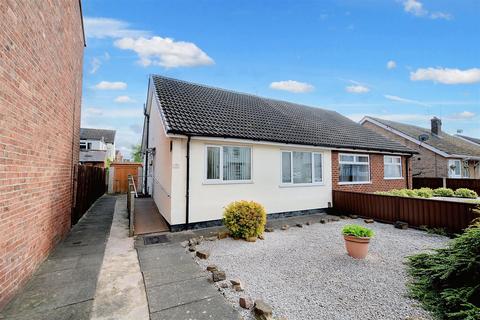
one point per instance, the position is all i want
(425, 164)
(41, 53)
(377, 183)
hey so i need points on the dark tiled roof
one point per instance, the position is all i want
(97, 134)
(443, 142)
(199, 110)
(93, 155)
(474, 140)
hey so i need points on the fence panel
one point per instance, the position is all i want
(452, 183)
(421, 182)
(89, 186)
(453, 216)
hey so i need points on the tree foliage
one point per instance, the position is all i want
(137, 153)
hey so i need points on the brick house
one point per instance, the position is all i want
(41, 54)
(205, 147)
(439, 154)
(98, 140)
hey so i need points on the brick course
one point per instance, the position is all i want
(377, 183)
(41, 53)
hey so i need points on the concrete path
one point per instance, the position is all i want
(176, 286)
(64, 285)
(120, 290)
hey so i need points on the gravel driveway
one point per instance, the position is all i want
(305, 273)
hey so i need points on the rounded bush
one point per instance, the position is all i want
(443, 192)
(356, 230)
(465, 193)
(424, 192)
(245, 219)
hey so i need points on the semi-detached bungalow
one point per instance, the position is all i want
(205, 147)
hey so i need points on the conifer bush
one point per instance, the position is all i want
(443, 192)
(245, 219)
(447, 281)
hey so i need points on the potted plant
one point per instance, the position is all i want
(357, 239)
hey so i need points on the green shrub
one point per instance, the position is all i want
(357, 231)
(443, 192)
(245, 219)
(447, 281)
(465, 193)
(424, 192)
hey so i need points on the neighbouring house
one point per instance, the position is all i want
(41, 54)
(475, 141)
(97, 140)
(96, 158)
(205, 147)
(439, 154)
(118, 156)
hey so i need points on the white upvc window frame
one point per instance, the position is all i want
(313, 183)
(340, 162)
(392, 164)
(450, 171)
(221, 180)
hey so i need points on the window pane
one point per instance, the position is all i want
(393, 171)
(346, 158)
(397, 160)
(236, 163)
(286, 167)
(317, 165)
(362, 159)
(387, 159)
(213, 163)
(354, 173)
(302, 167)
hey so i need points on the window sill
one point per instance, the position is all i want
(299, 185)
(399, 178)
(227, 182)
(359, 182)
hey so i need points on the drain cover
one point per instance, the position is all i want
(155, 239)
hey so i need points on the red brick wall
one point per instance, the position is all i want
(377, 183)
(41, 53)
(424, 164)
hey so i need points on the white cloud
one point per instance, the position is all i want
(124, 99)
(391, 64)
(404, 100)
(95, 64)
(465, 115)
(92, 112)
(292, 86)
(101, 28)
(416, 8)
(106, 85)
(446, 75)
(165, 52)
(358, 88)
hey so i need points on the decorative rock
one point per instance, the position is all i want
(335, 219)
(235, 281)
(223, 285)
(245, 302)
(401, 225)
(192, 249)
(238, 287)
(212, 267)
(222, 234)
(308, 223)
(262, 310)
(202, 254)
(184, 244)
(299, 225)
(211, 238)
(269, 229)
(343, 217)
(251, 239)
(353, 216)
(285, 227)
(218, 275)
(369, 221)
(323, 221)
(261, 237)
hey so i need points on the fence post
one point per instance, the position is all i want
(444, 182)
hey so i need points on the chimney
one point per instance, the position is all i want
(436, 126)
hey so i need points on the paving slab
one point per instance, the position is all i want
(64, 285)
(169, 274)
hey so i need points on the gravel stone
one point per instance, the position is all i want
(306, 274)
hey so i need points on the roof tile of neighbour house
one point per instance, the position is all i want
(444, 142)
(97, 134)
(93, 155)
(471, 139)
(199, 110)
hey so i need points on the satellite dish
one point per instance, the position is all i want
(423, 137)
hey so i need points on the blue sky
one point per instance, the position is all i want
(404, 60)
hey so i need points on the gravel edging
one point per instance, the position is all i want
(305, 273)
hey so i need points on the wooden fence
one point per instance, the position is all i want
(452, 183)
(453, 216)
(89, 186)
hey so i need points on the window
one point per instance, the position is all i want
(301, 167)
(228, 163)
(392, 167)
(354, 168)
(455, 168)
(83, 145)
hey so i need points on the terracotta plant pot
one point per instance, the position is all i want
(357, 247)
